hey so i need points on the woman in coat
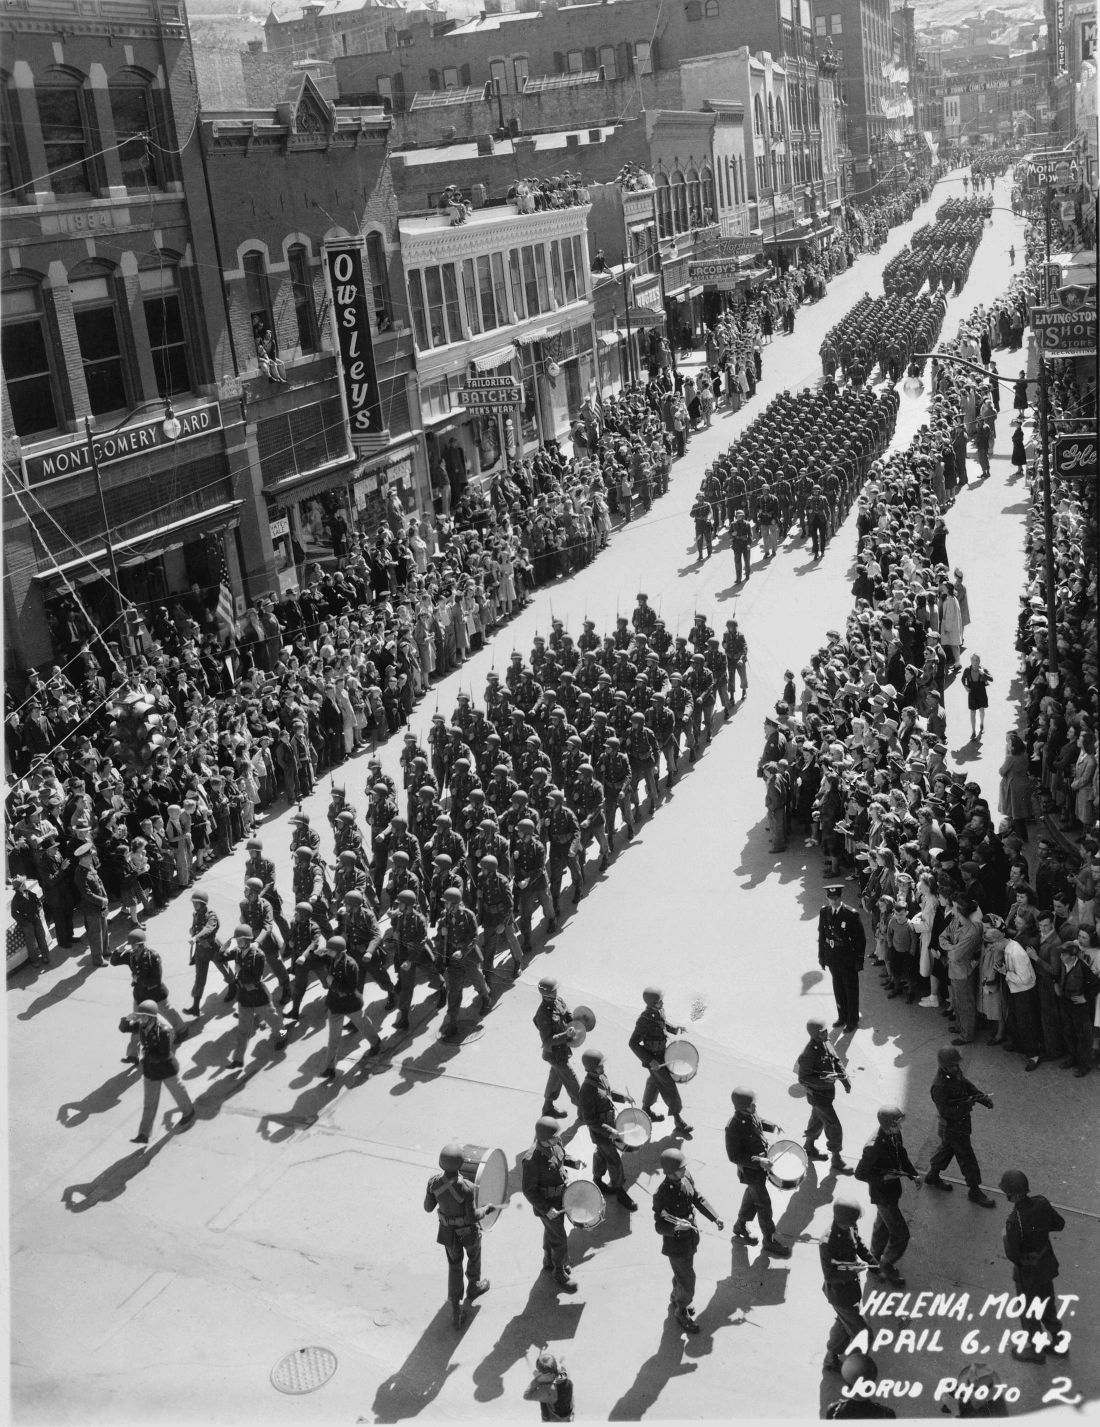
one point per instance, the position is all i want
(951, 625)
(1019, 453)
(1014, 801)
(1084, 778)
(975, 680)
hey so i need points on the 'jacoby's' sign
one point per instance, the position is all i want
(345, 272)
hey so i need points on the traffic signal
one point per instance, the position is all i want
(135, 731)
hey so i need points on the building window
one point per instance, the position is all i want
(708, 196)
(257, 296)
(97, 331)
(819, 25)
(450, 301)
(64, 134)
(28, 365)
(13, 167)
(132, 113)
(498, 75)
(695, 202)
(379, 282)
(574, 61)
(164, 321)
(450, 77)
(555, 274)
(489, 318)
(643, 57)
(569, 270)
(836, 25)
(608, 62)
(418, 310)
(515, 274)
(520, 71)
(679, 202)
(710, 9)
(385, 88)
(469, 293)
(664, 206)
(757, 116)
(301, 285)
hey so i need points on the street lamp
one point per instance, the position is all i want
(914, 386)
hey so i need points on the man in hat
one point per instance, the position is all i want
(819, 1070)
(674, 1204)
(747, 1148)
(159, 1066)
(453, 1197)
(597, 1109)
(1034, 1266)
(882, 1166)
(93, 901)
(544, 1183)
(954, 1098)
(843, 1256)
(841, 942)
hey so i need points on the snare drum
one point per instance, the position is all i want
(488, 1169)
(583, 1204)
(789, 1164)
(681, 1061)
(635, 1126)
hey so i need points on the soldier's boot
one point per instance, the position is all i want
(458, 1317)
(775, 1248)
(812, 1153)
(624, 1199)
(741, 1231)
(838, 1166)
(475, 1290)
(682, 1127)
(686, 1321)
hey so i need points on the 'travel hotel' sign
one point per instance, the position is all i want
(345, 264)
(75, 457)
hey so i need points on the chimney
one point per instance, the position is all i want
(485, 144)
(255, 47)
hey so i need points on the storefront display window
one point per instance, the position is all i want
(319, 528)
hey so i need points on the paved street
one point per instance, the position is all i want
(163, 1285)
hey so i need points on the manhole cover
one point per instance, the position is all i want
(304, 1370)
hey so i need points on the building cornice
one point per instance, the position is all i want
(423, 246)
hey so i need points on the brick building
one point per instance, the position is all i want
(112, 309)
(283, 181)
(326, 28)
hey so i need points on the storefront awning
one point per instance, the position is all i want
(609, 339)
(489, 361)
(452, 417)
(646, 317)
(675, 294)
(540, 334)
(696, 291)
(150, 545)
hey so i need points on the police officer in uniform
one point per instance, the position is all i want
(843, 1254)
(648, 1041)
(544, 1182)
(674, 1204)
(554, 1023)
(1034, 1265)
(954, 1097)
(882, 1166)
(747, 1148)
(818, 1072)
(841, 942)
(597, 1106)
(454, 1198)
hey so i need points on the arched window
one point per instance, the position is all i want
(99, 317)
(710, 9)
(13, 157)
(301, 287)
(771, 114)
(695, 199)
(30, 367)
(257, 295)
(380, 285)
(708, 196)
(780, 123)
(664, 206)
(132, 112)
(679, 202)
(66, 137)
(757, 116)
(166, 323)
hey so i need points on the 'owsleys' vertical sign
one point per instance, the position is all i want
(346, 274)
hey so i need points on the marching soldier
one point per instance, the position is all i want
(412, 955)
(597, 1107)
(460, 956)
(674, 1204)
(349, 876)
(1034, 1265)
(843, 1255)
(253, 1000)
(205, 948)
(454, 1198)
(564, 832)
(258, 914)
(682, 708)
(308, 882)
(841, 942)
(532, 884)
(747, 1148)
(159, 1066)
(496, 912)
(147, 983)
(736, 651)
(360, 928)
(305, 945)
(344, 1002)
(700, 685)
(954, 1097)
(614, 769)
(818, 1073)
(554, 1023)
(544, 1182)
(444, 874)
(648, 1041)
(882, 1166)
(303, 835)
(588, 803)
(257, 865)
(643, 754)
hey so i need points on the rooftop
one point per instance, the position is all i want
(460, 152)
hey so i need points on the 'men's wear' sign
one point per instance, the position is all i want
(345, 271)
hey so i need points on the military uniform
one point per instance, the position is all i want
(454, 1198)
(818, 1071)
(745, 1142)
(460, 955)
(843, 1246)
(206, 949)
(954, 1097)
(253, 1001)
(597, 1107)
(553, 1020)
(1034, 1265)
(544, 1182)
(679, 1199)
(883, 1162)
(306, 938)
(648, 1041)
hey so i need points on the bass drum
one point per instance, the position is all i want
(681, 1061)
(489, 1171)
(635, 1126)
(583, 1204)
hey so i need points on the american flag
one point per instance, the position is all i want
(224, 613)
